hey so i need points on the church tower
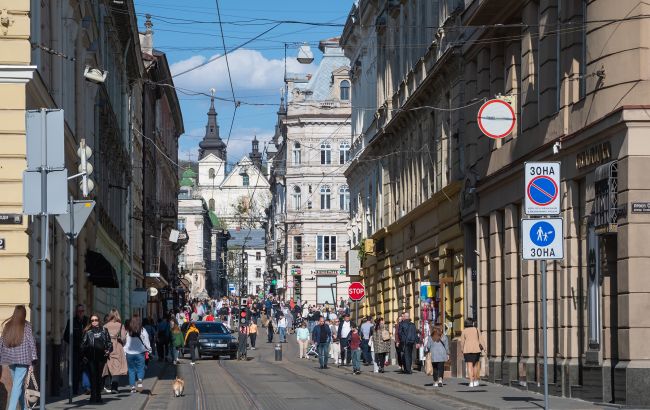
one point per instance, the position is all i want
(255, 155)
(212, 151)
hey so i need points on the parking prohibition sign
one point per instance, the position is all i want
(542, 188)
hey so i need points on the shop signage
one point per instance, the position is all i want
(596, 154)
(542, 187)
(342, 270)
(327, 271)
(542, 238)
(641, 207)
(295, 270)
(11, 219)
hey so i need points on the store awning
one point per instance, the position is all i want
(100, 271)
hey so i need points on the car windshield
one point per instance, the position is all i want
(217, 328)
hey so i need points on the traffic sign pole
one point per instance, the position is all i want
(545, 332)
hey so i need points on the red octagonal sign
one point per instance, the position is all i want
(356, 291)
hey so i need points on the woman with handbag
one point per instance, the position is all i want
(137, 349)
(471, 345)
(381, 343)
(116, 365)
(96, 346)
(17, 351)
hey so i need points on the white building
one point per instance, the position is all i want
(252, 243)
(195, 223)
(309, 213)
(237, 196)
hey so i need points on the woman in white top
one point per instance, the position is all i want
(137, 348)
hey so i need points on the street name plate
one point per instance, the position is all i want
(11, 219)
(641, 207)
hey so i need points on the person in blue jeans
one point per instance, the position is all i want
(282, 328)
(136, 347)
(18, 351)
(322, 336)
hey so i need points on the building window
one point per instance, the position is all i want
(296, 197)
(326, 290)
(297, 154)
(258, 272)
(326, 247)
(325, 153)
(211, 204)
(344, 152)
(345, 90)
(297, 248)
(181, 224)
(211, 173)
(344, 198)
(258, 256)
(325, 195)
(245, 180)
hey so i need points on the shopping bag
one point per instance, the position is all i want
(428, 367)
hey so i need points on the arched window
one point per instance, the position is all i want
(325, 196)
(344, 152)
(325, 153)
(211, 174)
(211, 204)
(345, 90)
(296, 197)
(245, 180)
(297, 155)
(344, 198)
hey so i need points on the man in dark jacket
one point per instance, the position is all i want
(322, 336)
(79, 323)
(408, 336)
(343, 335)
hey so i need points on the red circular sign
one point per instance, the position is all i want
(496, 119)
(356, 291)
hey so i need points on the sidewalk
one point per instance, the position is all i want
(487, 395)
(124, 399)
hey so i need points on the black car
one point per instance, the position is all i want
(214, 340)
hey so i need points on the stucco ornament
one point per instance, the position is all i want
(5, 21)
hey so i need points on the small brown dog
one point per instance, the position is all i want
(178, 386)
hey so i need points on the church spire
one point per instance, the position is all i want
(212, 143)
(255, 155)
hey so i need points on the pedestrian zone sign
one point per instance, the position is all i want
(542, 238)
(542, 188)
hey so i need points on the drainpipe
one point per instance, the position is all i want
(126, 129)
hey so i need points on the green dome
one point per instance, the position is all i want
(187, 182)
(189, 173)
(216, 223)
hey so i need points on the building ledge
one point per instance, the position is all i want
(16, 74)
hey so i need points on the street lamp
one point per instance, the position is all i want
(305, 56)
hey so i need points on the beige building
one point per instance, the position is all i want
(574, 73)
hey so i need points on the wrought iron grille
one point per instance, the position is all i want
(606, 198)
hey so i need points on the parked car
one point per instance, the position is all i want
(214, 340)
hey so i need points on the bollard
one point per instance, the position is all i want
(278, 352)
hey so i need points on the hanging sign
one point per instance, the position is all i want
(496, 119)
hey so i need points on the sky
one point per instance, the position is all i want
(189, 33)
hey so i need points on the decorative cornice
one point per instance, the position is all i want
(19, 74)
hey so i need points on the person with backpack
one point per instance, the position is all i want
(116, 365)
(408, 337)
(438, 345)
(192, 341)
(96, 346)
(381, 343)
(17, 352)
(137, 349)
(177, 342)
(163, 336)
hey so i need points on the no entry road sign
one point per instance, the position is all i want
(542, 188)
(356, 291)
(496, 118)
(542, 239)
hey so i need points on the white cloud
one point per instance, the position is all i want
(250, 70)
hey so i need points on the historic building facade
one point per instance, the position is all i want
(573, 72)
(311, 198)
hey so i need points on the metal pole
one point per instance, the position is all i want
(44, 244)
(545, 333)
(70, 298)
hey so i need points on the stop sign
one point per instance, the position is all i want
(356, 291)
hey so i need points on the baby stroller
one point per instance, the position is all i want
(313, 351)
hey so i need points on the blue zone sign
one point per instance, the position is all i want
(542, 238)
(542, 188)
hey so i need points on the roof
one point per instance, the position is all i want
(216, 222)
(189, 173)
(187, 182)
(253, 238)
(321, 82)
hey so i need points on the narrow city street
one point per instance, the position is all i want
(262, 383)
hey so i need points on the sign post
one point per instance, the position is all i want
(542, 238)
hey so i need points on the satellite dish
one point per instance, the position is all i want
(152, 291)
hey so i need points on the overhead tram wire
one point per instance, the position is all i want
(225, 53)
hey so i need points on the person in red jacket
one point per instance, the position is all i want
(355, 348)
